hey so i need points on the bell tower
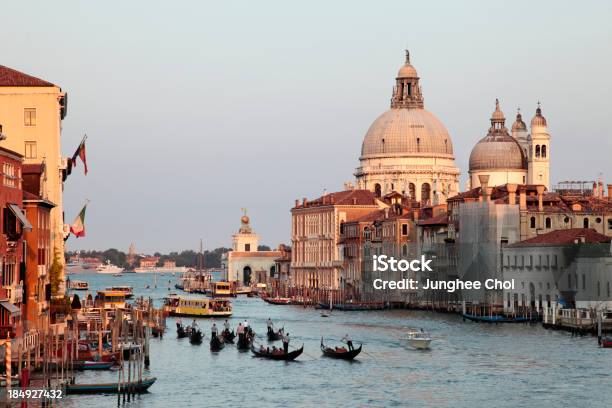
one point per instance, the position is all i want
(539, 151)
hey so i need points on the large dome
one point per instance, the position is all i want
(407, 132)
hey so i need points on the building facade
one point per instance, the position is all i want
(407, 149)
(31, 114)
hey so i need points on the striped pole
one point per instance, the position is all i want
(8, 363)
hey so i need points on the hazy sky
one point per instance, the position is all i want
(196, 109)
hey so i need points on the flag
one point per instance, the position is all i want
(78, 226)
(80, 152)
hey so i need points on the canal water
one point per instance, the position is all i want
(469, 365)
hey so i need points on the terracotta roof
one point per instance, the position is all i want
(347, 197)
(566, 236)
(11, 77)
(440, 219)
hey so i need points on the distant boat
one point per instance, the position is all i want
(109, 268)
(502, 319)
(78, 285)
(107, 388)
(128, 291)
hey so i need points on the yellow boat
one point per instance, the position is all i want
(111, 299)
(197, 307)
(222, 289)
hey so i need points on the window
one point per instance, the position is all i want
(583, 281)
(30, 150)
(29, 117)
(10, 178)
(543, 150)
(537, 153)
(532, 222)
(585, 223)
(247, 247)
(548, 222)
(598, 220)
(404, 229)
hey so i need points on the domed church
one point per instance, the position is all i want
(407, 149)
(518, 159)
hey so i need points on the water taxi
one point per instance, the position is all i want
(418, 339)
(109, 268)
(222, 289)
(127, 290)
(78, 285)
(197, 307)
(111, 299)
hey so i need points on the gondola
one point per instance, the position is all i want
(292, 355)
(216, 343)
(244, 343)
(342, 355)
(180, 331)
(273, 336)
(110, 388)
(196, 336)
(228, 336)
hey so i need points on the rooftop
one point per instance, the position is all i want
(12, 77)
(566, 236)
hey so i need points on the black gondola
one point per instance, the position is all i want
(180, 331)
(196, 336)
(273, 336)
(216, 343)
(228, 336)
(342, 355)
(244, 342)
(292, 355)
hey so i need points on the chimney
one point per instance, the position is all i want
(386, 213)
(511, 193)
(484, 180)
(600, 184)
(540, 189)
(297, 202)
(304, 201)
(609, 192)
(522, 199)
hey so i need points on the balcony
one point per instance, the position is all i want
(14, 293)
(7, 331)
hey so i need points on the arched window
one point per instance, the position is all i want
(367, 234)
(272, 271)
(377, 190)
(585, 223)
(543, 150)
(532, 222)
(537, 151)
(412, 191)
(425, 192)
(246, 275)
(548, 223)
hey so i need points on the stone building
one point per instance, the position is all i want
(316, 260)
(245, 264)
(407, 149)
(31, 114)
(571, 267)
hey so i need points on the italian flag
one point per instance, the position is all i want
(80, 153)
(78, 226)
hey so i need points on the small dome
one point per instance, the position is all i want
(497, 152)
(518, 123)
(405, 132)
(498, 115)
(244, 219)
(538, 119)
(407, 71)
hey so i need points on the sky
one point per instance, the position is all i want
(196, 109)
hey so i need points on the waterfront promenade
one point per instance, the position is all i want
(469, 365)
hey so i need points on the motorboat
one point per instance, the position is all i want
(108, 267)
(418, 339)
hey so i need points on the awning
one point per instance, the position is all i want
(11, 308)
(21, 217)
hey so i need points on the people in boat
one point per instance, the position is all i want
(270, 326)
(226, 325)
(194, 324)
(240, 331)
(286, 340)
(346, 339)
(214, 331)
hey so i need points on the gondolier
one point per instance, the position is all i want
(286, 340)
(240, 331)
(226, 325)
(214, 331)
(270, 326)
(346, 339)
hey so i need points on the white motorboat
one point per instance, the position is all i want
(109, 268)
(418, 339)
